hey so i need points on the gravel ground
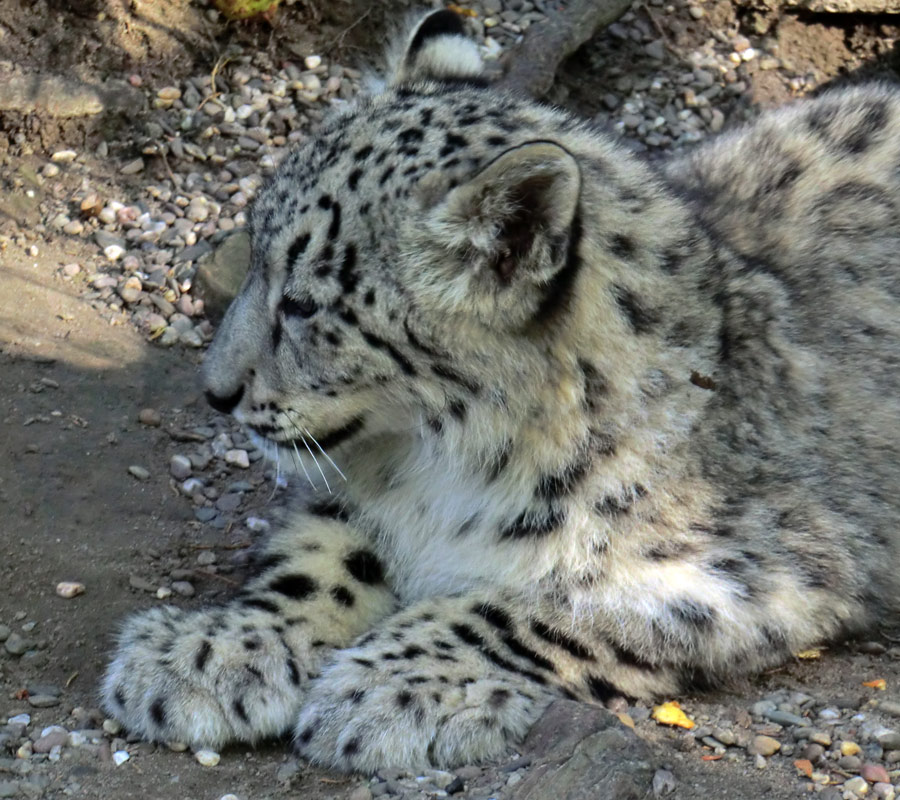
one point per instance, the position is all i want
(110, 243)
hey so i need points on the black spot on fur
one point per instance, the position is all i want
(452, 375)
(457, 409)
(613, 506)
(413, 651)
(297, 248)
(365, 662)
(355, 696)
(347, 274)
(495, 615)
(157, 711)
(262, 604)
(559, 639)
(293, 672)
(343, 596)
(641, 318)
(203, 655)
(334, 228)
(530, 524)
(306, 735)
(498, 461)
(386, 347)
(499, 698)
(564, 482)
(467, 634)
(364, 566)
(523, 651)
(251, 644)
(363, 153)
(353, 179)
(241, 712)
(296, 586)
(325, 201)
(329, 508)
(303, 307)
(119, 696)
(335, 437)
(696, 615)
(622, 246)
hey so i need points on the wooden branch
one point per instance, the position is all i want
(532, 65)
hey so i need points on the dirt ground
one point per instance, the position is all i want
(72, 386)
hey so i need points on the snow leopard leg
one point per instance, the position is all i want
(239, 671)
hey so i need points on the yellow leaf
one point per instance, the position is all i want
(244, 9)
(810, 654)
(671, 714)
(463, 12)
(626, 720)
(878, 683)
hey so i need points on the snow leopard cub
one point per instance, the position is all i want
(607, 428)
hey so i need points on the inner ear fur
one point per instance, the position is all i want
(519, 210)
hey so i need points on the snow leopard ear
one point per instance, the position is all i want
(438, 49)
(519, 214)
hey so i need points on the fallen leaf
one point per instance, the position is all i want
(810, 654)
(711, 758)
(671, 714)
(463, 12)
(878, 683)
(626, 720)
(805, 766)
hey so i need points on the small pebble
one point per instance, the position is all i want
(856, 786)
(874, 773)
(150, 416)
(208, 758)
(237, 458)
(180, 467)
(184, 588)
(64, 156)
(120, 757)
(112, 726)
(69, 589)
(141, 473)
(764, 746)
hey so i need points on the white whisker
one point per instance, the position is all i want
(302, 465)
(322, 451)
(316, 462)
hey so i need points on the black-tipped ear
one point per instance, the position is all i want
(438, 49)
(519, 210)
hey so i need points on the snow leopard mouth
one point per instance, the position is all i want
(330, 439)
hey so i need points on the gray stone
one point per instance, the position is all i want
(608, 759)
(16, 645)
(180, 467)
(785, 718)
(43, 700)
(9, 788)
(205, 514)
(4, 632)
(847, 6)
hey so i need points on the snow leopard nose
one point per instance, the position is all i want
(224, 404)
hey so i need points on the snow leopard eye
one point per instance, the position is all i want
(305, 307)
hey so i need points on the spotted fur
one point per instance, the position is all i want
(606, 428)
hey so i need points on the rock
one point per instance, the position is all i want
(763, 746)
(220, 274)
(663, 782)
(16, 644)
(184, 588)
(874, 773)
(141, 473)
(360, 793)
(237, 458)
(180, 467)
(56, 738)
(4, 632)
(849, 748)
(132, 167)
(130, 290)
(112, 726)
(889, 740)
(208, 758)
(608, 760)
(150, 416)
(137, 582)
(9, 788)
(119, 757)
(43, 701)
(856, 786)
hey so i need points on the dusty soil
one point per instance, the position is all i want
(73, 384)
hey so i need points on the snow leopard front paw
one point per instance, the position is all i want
(414, 706)
(204, 677)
